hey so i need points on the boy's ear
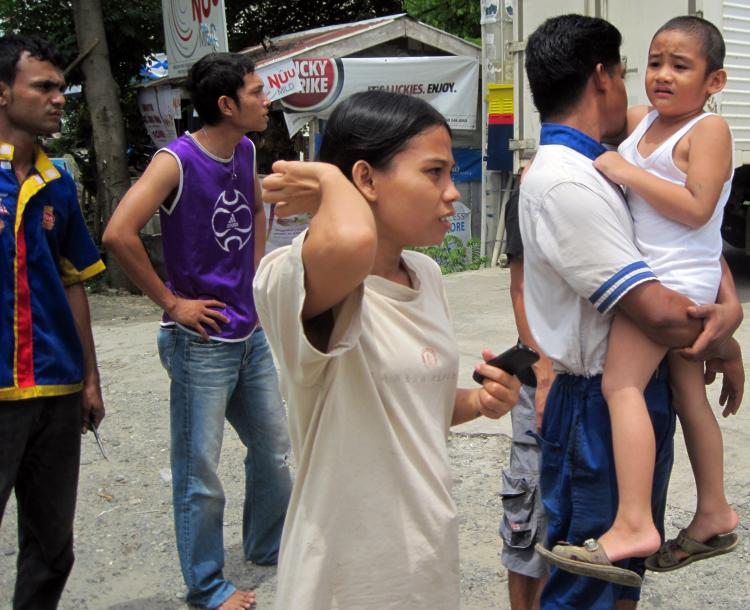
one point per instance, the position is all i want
(717, 80)
(363, 179)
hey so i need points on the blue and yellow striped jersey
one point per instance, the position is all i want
(44, 246)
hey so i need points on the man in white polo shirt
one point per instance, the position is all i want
(580, 263)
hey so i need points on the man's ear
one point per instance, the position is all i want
(226, 105)
(364, 180)
(717, 80)
(600, 77)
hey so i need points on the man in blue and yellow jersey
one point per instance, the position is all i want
(49, 384)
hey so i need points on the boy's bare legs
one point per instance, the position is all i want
(705, 447)
(525, 592)
(632, 359)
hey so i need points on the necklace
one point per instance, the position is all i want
(234, 172)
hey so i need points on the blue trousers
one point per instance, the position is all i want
(210, 381)
(579, 483)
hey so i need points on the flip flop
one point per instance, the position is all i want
(588, 560)
(664, 559)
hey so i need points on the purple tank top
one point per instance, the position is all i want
(208, 232)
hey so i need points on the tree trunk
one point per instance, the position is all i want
(103, 100)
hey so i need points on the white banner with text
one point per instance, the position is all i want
(450, 84)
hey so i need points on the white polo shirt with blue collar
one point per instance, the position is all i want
(580, 257)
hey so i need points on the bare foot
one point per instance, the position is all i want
(705, 526)
(620, 542)
(239, 600)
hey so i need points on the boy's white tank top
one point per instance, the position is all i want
(684, 259)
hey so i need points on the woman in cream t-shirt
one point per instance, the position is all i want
(369, 363)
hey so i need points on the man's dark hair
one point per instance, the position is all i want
(709, 35)
(561, 55)
(14, 45)
(215, 75)
(374, 126)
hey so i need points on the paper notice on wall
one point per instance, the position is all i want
(159, 107)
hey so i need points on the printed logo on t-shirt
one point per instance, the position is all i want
(232, 221)
(48, 217)
(3, 210)
(430, 357)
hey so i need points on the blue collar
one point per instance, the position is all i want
(553, 133)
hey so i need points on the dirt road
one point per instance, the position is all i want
(126, 558)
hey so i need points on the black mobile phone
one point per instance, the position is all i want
(516, 361)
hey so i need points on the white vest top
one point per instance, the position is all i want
(684, 259)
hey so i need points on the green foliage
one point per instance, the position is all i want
(452, 255)
(134, 30)
(459, 17)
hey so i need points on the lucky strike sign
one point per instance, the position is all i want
(321, 81)
(192, 29)
(450, 84)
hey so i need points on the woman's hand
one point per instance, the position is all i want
(295, 186)
(499, 391)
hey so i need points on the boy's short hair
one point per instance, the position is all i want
(561, 55)
(711, 39)
(14, 45)
(215, 75)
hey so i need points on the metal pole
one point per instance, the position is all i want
(496, 67)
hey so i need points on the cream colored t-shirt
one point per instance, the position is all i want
(371, 522)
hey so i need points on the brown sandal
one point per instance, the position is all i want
(664, 559)
(588, 560)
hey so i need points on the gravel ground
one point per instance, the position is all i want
(126, 558)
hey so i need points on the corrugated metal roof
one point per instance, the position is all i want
(292, 45)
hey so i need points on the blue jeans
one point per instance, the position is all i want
(579, 484)
(211, 380)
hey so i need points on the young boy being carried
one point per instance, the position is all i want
(677, 167)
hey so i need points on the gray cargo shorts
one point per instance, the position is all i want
(523, 523)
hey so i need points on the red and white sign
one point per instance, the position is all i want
(280, 80)
(321, 80)
(192, 29)
(450, 84)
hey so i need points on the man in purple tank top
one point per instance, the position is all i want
(205, 187)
